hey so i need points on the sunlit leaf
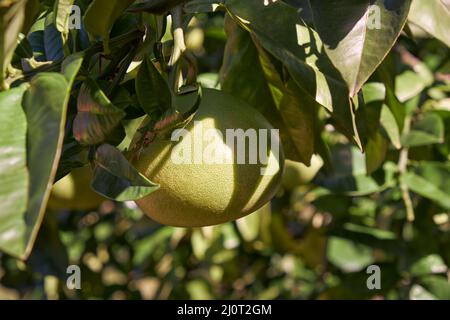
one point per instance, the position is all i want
(433, 16)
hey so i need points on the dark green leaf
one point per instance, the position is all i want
(101, 15)
(152, 90)
(281, 31)
(259, 84)
(115, 178)
(52, 40)
(98, 119)
(358, 34)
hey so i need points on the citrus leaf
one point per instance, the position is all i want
(438, 286)
(358, 34)
(71, 65)
(413, 81)
(281, 31)
(243, 75)
(390, 126)
(116, 179)
(97, 120)
(348, 255)
(433, 17)
(430, 264)
(152, 90)
(13, 171)
(12, 15)
(431, 181)
(374, 94)
(45, 104)
(101, 15)
(428, 130)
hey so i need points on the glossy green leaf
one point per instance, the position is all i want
(98, 120)
(12, 15)
(357, 35)
(116, 179)
(45, 105)
(433, 16)
(13, 171)
(152, 90)
(282, 32)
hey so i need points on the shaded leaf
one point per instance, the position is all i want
(152, 90)
(350, 174)
(52, 40)
(109, 11)
(98, 120)
(116, 179)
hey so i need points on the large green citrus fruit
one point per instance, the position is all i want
(74, 192)
(196, 192)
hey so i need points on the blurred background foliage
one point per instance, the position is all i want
(313, 241)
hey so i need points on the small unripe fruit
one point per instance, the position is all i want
(74, 192)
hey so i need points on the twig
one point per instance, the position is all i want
(402, 165)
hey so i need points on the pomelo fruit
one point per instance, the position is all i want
(74, 192)
(197, 187)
